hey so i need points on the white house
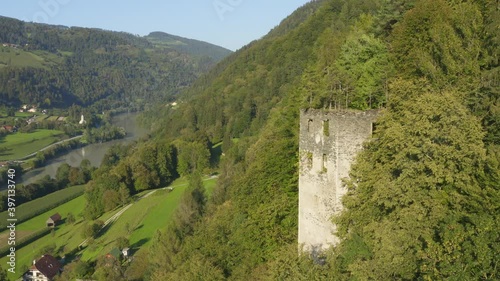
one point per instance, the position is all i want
(44, 269)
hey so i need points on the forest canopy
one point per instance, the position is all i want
(423, 198)
(57, 66)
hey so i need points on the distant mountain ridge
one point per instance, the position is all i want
(189, 46)
(55, 65)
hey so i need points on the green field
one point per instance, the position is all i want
(18, 145)
(52, 118)
(144, 218)
(34, 207)
(42, 117)
(3, 115)
(23, 114)
(19, 58)
(66, 237)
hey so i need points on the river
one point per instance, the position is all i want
(93, 152)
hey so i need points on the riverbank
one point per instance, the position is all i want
(16, 146)
(47, 147)
(92, 152)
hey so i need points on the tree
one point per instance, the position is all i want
(166, 159)
(122, 243)
(364, 63)
(108, 269)
(92, 229)
(76, 270)
(193, 157)
(3, 274)
(62, 175)
(187, 214)
(128, 228)
(70, 218)
(124, 193)
(441, 41)
(11, 112)
(76, 176)
(415, 206)
(144, 178)
(138, 268)
(86, 168)
(111, 199)
(197, 268)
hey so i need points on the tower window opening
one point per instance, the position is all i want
(309, 124)
(326, 127)
(374, 127)
(325, 160)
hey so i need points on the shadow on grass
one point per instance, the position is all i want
(62, 234)
(138, 227)
(135, 247)
(104, 230)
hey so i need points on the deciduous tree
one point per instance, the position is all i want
(416, 207)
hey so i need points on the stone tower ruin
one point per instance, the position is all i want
(329, 142)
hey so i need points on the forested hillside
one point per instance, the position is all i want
(188, 46)
(423, 201)
(57, 66)
(423, 198)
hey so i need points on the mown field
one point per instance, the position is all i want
(19, 58)
(42, 204)
(138, 224)
(3, 115)
(18, 145)
(65, 237)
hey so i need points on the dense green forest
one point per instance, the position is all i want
(57, 66)
(423, 197)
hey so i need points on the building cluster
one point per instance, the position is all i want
(47, 267)
(15, 46)
(29, 108)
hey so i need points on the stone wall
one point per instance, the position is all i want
(329, 142)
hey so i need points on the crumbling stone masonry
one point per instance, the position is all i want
(329, 142)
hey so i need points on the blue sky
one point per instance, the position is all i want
(228, 23)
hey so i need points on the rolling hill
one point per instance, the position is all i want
(57, 66)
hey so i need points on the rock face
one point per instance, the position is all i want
(329, 142)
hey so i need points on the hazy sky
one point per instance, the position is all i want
(228, 23)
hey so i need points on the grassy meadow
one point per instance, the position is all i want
(138, 224)
(65, 237)
(33, 208)
(18, 145)
(19, 58)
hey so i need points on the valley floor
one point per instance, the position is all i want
(150, 211)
